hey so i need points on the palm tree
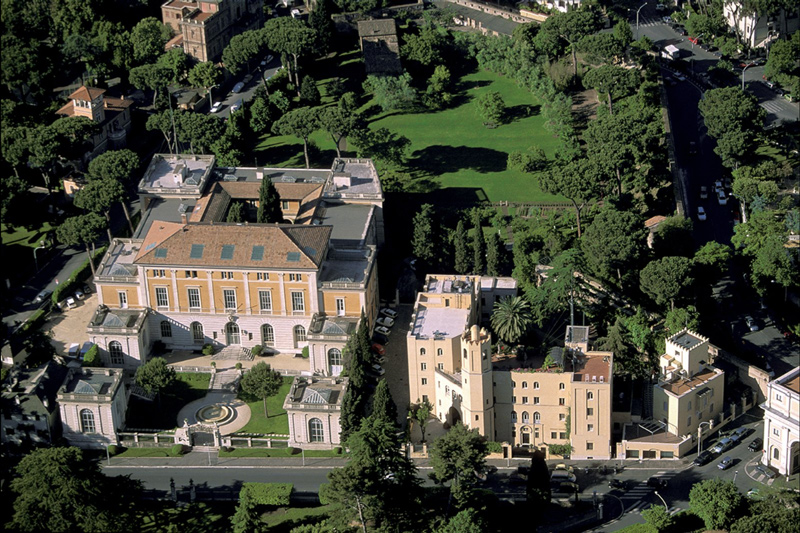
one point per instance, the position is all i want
(511, 318)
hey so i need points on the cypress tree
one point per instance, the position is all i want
(352, 412)
(423, 241)
(494, 255)
(235, 212)
(383, 405)
(478, 245)
(462, 260)
(269, 203)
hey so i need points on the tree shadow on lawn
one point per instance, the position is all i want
(519, 112)
(150, 415)
(279, 155)
(438, 159)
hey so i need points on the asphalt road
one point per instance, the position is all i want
(249, 91)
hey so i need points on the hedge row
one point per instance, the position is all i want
(267, 493)
(76, 279)
(92, 357)
(34, 322)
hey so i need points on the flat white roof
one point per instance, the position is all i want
(439, 322)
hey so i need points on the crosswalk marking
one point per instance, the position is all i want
(771, 106)
(637, 509)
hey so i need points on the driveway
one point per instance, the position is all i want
(396, 364)
(69, 326)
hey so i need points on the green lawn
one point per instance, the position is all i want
(277, 452)
(278, 422)
(25, 237)
(188, 387)
(450, 149)
(285, 519)
(147, 452)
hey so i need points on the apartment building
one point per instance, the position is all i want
(688, 399)
(782, 423)
(450, 364)
(204, 28)
(758, 30)
(187, 279)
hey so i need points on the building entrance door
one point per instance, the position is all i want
(232, 333)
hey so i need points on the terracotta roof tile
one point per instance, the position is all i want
(158, 232)
(285, 246)
(654, 221)
(87, 93)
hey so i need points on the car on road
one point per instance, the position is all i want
(378, 349)
(769, 84)
(87, 289)
(680, 77)
(383, 330)
(703, 459)
(247, 79)
(767, 471)
(701, 213)
(657, 482)
(740, 434)
(238, 87)
(723, 446)
(42, 296)
(692, 148)
(562, 475)
(755, 444)
(666, 20)
(751, 323)
(391, 313)
(694, 40)
(718, 186)
(385, 321)
(236, 107)
(703, 192)
(660, 7)
(726, 463)
(721, 198)
(377, 369)
(267, 60)
(682, 31)
(216, 106)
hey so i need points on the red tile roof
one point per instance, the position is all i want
(87, 93)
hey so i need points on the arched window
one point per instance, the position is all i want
(590, 396)
(335, 357)
(267, 335)
(422, 351)
(197, 332)
(525, 417)
(535, 384)
(299, 335)
(524, 384)
(87, 421)
(439, 352)
(537, 419)
(166, 330)
(232, 335)
(513, 417)
(776, 453)
(560, 386)
(115, 351)
(315, 431)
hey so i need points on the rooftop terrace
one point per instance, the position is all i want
(439, 322)
(177, 174)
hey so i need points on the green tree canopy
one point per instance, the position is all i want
(491, 108)
(262, 382)
(615, 82)
(459, 456)
(155, 376)
(269, 203)
(118, 165)
(99, 195)
(577, 180)
(81, 229)
(148, 38)
(613, 244)
(511, 318)
(301, 123)
(383, 405)
(718, 503)
(424, 241)
(59, 490)
(664, 279)
(569, 27)
(392, 92)
(205, 74)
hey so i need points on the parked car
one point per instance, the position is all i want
(666, 20)
(681, 31)
(694, 40)
(703, 459)
(657, 482)
(616, 484)
(679, 76)
(723, 446)
(42, 296)
(216, 106)
(71, 303)
(385, 321)
(721, 198)
(378, 349)
(660, 7)
(85, 348)
(238, 87)
(79, 295)
(701, 213)
(562, 475)
(87, 289)
(377, 369)
(703, 192)
(718, 186)
(740, 434)
(562, 466)
(751, 323)
(236, 107)
(383, 330)
(380, 339)
(379, 359)
(267, 60)
(391, 313)
(74, 350)
(726, 463)
(767, 471)
(692, 148)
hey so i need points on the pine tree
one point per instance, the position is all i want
(478, 245)
(269, 203)
(462, 259)
(494, 255)
(235, 212)
(352, 412)
(383, 405)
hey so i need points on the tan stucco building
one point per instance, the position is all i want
(782, 423)
(314, 407)
(450, 364)
(92, 402)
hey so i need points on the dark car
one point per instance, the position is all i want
(380, 339)
(755, 444)
(42, 296)
(703, 459)
(740, 434)
(767, 471)
(657, 482)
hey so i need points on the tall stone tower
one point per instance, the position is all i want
(476, 374)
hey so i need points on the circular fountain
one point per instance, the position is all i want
(215, 413)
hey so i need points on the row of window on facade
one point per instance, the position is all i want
(230, 301)
(440, 352)
(192, 274)
(233, 333)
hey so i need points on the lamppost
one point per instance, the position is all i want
(743, 71)
(637, 20)
(666, 507)
(108, 455)
(35, 259)
(735, 473)
(700, 436)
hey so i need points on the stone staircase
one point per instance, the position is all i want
(225, 381)
(233, 353)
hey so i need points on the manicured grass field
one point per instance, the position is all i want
(450, 148)
(276, 452)
(278, 422)
(285, 519)
(25, 237)
(147, 452)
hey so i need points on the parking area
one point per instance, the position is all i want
(396, 364)
(69, 326)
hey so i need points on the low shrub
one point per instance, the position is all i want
(115, 449)
(76, 279)
(208, 349)
(92, 357)
(305, 352)
(267, 493)
(258, 349)
(494, 447)
(176, 449)
(337, 450)
(238, 366)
